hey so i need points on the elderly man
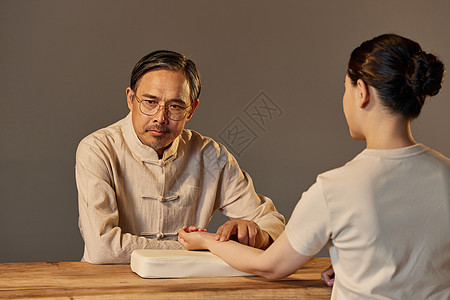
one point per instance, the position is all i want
(141, 179)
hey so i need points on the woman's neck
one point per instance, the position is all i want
(389, 132)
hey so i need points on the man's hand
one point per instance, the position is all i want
(328, 276)
(245, 232)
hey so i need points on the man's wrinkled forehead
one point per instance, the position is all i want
(151, 86)
(138, 82)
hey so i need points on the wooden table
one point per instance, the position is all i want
(79, 280)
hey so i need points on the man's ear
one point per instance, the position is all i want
(130, 95)
(363, 93)
(194, 106)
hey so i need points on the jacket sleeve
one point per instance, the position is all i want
(240, 201)
(98, 213)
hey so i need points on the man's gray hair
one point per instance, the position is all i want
(168, 60)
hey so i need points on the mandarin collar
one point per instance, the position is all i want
(144, 152)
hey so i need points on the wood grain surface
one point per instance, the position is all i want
(80, 280)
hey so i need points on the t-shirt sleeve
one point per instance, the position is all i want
(308, 229)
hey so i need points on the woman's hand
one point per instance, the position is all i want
(193, 229)
(328, 276)
(195, 238)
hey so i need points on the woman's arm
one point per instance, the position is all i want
(278, 261)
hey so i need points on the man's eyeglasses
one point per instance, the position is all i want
(174, 111)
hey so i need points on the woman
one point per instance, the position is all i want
(385, 215)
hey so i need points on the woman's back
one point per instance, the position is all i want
(389, 216)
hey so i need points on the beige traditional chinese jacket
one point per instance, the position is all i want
(130, 199)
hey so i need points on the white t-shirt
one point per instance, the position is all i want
(386, 218)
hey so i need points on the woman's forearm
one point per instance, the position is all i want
(239, 256)
(278, 261)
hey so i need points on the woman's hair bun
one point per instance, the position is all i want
(402, 74)
(424, 74)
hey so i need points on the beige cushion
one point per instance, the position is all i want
(149, 263)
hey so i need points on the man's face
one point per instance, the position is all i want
(164, 87)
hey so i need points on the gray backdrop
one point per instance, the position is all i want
(273, 80)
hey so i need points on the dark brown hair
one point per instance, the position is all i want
(399, 70)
